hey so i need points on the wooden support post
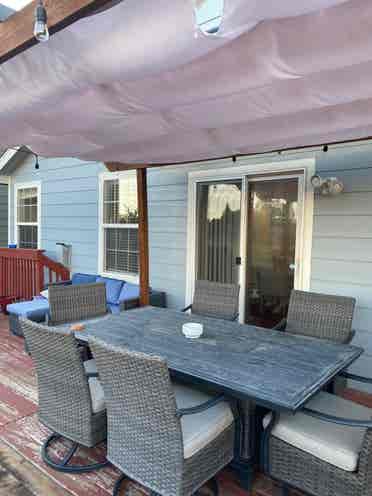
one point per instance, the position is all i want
(143, 236)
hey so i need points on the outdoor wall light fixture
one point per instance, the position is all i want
(41, 31)
(327, 185)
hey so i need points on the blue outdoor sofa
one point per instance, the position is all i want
(120, 295)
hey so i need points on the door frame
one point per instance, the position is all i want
(304, 167)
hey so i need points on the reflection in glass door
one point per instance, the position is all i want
(218, 216)
(271, 246)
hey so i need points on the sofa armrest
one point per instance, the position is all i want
(128, 304)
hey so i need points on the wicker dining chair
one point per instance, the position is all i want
(319, 315)
(74, 303)
(71, 400)
(214, 299)
(324, 450)
(167, 437)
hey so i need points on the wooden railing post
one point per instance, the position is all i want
(143, 236)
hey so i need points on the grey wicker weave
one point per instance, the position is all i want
(215, 299)
(299, 469)
(320, 316)
(145, 437)
(65, 395)
(76, 302)
(221, 301)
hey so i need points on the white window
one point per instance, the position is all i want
(27, 215)
(119, 225)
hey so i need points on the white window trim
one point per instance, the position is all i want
(247, 168)
(17, 186)
(104, 176)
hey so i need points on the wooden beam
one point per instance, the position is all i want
(16, 32)
(143, 236)
(117, 166)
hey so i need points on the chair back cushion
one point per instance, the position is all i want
(144, 433)
(113, 288)
(321, 316)
(215, 299)
(76, 302)
(79, 278)
(129, 291)
(64, 397)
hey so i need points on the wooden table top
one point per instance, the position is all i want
(273, 368)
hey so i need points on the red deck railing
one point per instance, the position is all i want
(23, 273)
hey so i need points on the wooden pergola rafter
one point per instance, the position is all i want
(16, 32)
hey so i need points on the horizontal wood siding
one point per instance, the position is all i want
(3, 215)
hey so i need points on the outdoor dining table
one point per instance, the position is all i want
(272, 368)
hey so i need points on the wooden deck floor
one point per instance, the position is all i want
(21, 471)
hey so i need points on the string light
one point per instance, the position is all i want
(41, 31)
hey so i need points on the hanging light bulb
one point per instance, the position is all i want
(37, 166)
(41, 31)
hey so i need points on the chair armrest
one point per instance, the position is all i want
(358, 378)
(58, 283)
(128, 304)
(189, 307)
(280, 326)
(91, 374)
(337, 420)
(202, 407)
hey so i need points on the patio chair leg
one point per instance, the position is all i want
(118, 484)
(285, 490)
(62, 465)
(213, 486)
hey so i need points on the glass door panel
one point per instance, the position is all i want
(218, 231)
(271, 245)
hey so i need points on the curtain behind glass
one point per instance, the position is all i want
(218, 231)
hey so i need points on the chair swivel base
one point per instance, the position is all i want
(63, 465)
(118, 483)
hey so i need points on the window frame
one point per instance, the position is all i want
(27, 185)
(127, 276)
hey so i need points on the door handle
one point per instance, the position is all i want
(292, 266)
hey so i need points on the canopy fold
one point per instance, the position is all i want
(141, 83)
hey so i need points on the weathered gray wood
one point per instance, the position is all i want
(271, 367)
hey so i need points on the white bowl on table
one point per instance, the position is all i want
(192, 330)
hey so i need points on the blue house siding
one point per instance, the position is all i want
(342, 230)
(69, 206)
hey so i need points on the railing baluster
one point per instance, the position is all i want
(22, 272)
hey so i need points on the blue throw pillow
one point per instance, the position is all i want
(113, 288)
(129, 291)
(79, 278)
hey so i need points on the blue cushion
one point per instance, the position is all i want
(79, 278)
(129, 291)
(33, 310)
(113, 288)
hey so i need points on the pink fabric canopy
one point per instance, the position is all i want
(140, 83)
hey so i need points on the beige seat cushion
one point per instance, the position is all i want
(95, 388)
(338, 445)
(200, 429)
